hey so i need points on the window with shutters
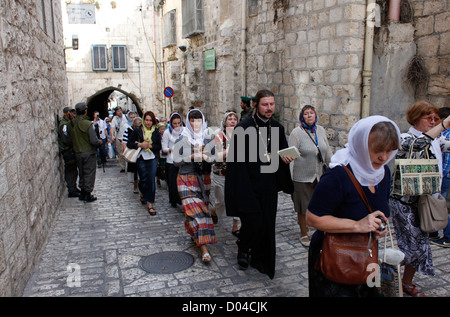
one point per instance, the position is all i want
(99, 58)
(119, 58)
(170, 29)
(192, 15)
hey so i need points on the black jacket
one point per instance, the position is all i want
(137, 136)
(244, 182)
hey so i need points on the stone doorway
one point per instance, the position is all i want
(99, 101)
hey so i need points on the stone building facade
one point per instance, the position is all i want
(33, 90)
(133, 25)
(310, 52)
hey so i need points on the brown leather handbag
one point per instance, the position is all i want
(345, 257)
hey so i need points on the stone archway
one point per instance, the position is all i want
(99, 101)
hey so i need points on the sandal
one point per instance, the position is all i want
(304, 240)
(143, 201)
(412, 290)
(206, 258)
(151, 211)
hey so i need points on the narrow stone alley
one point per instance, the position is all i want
(97, 249)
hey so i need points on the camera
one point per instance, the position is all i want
(382, 225)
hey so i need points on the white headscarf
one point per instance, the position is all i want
(195, 138)
(175, 132)
(356, 152)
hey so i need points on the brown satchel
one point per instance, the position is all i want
(345, 257)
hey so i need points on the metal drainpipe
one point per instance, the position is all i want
(244, 47)
(368, 57)
(394, 10)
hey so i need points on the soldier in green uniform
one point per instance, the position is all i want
(66, 150)
(247, 109)
(85, 143)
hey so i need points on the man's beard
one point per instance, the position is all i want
(264, 115)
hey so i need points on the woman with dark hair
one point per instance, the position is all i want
(422, 135)
(310, 139)
(148, 138)
(194, 160)
(336, 206)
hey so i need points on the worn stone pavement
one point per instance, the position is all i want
(104, 241)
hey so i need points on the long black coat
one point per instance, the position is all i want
(244, 180)
(252, 195)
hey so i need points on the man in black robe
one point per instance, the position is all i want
(255, 174)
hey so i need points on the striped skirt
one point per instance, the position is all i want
(193, 195)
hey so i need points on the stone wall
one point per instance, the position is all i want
(306, 52)
(432, 36)
(311, 52)
(212, 91)
(33, 90)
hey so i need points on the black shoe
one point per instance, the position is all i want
(74, 194)
(242, 259)
(82, 195)
(90, 198)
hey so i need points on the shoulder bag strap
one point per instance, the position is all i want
(317, 145)
(358, 187)
(366, 202)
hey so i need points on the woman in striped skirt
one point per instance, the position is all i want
(193, 153)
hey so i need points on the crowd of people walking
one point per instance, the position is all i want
(240, 162)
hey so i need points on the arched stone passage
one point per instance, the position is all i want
(99, 101)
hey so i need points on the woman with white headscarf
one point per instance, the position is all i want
(222, 139)
(193, 155)
(414, 243)
(336, 206)
(173, 133)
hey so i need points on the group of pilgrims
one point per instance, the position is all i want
(199, 159)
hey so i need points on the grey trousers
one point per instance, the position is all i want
(87, 167)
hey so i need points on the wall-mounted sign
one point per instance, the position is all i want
(168, 92)
(210, 60)
(81, 13)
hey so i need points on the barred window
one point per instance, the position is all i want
(119, 57)
(192, 15)
(99, 58)
(170, 29)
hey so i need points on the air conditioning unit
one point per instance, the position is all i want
(192, 15)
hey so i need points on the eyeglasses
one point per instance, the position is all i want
(431, 118)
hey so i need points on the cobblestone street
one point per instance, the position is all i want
(103, 243)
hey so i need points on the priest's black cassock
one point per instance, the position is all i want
(251, 194)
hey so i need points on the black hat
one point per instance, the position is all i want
(66, 109)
